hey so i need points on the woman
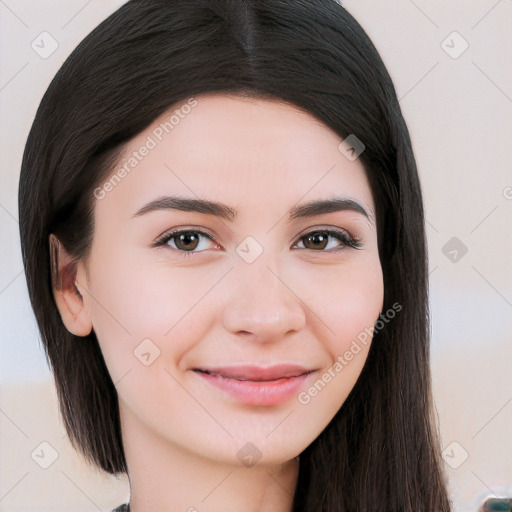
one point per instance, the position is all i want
(223, 236)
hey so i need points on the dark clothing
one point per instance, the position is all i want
(122, 508)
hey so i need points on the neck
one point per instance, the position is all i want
(164, 476)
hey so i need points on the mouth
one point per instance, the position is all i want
(256, 385)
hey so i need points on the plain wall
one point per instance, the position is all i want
(458, 106)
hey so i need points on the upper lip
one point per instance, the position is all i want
(257, 373)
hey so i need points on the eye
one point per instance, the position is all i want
(185, 240)
(325, 240)
(189, 241)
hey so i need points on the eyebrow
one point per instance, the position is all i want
(306, 210)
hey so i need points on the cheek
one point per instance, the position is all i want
(347, 301)
(360, 300)
(131, 302)
(350, 308)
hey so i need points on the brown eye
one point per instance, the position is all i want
(186, 241)
(316, 240)
(322, 240)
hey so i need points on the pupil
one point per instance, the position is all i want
(187, 240)
(318, 238)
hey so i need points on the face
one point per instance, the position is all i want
(234, 264)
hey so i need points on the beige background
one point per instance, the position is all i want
(459, 110)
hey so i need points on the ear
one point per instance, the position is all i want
(66, 272)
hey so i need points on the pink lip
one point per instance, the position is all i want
(255, 385)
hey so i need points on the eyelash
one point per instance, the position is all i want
(347, 240)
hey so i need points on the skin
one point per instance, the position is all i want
(293, 304)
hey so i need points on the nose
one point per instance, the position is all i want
(262, 305)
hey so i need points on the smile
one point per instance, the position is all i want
(253, 385)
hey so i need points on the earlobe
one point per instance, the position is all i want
(72, 308)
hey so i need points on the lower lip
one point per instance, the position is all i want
(251, 392)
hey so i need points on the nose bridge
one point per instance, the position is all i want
(260, 301)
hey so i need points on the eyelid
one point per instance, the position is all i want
(316, 229)
(166, 235)
(353, 241)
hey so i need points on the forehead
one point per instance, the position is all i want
(235, 149)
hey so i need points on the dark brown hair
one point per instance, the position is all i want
(381, 451)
